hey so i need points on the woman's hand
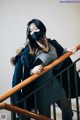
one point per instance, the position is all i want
(72, 49)
(36, 70)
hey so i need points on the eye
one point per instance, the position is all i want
(36, 28)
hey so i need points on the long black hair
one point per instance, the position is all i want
(40, 26)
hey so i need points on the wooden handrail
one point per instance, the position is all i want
(23, 112)
(34, 77)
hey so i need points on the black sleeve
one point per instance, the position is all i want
(17, 76)
(58, 47)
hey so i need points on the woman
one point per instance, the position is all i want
(39, 52)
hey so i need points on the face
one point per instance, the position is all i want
(33, 29)
(35, 32)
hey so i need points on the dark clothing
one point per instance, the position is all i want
(53, 87)
(24, 63)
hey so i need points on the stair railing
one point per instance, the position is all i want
(35, 76)
(21, 111)
(28, 81)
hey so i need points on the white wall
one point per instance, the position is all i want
(61, 19)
